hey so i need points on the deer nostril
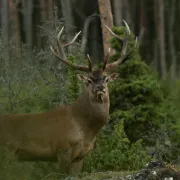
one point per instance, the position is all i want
(100, 88)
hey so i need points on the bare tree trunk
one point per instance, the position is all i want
(95, 48)
(50, 9)
(162, 40)
(68, 20)
(142, 15)
(17, 29)
(155, 51)
(36, 21)
(128, 14)
(117, 9)
(106, 19)
(43, 10)
(171, 42)
(28, 26)
(5, 24)
(85, 33)
(43, 18)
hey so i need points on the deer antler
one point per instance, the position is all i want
(109, 66)
(62, 56)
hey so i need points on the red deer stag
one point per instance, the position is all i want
(67, 133)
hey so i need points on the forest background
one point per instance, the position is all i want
(145, 116)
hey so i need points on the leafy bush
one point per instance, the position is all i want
(136, 96)
(171, 127)
(115, 152)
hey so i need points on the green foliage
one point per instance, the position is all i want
(136, 96)
(73, 84)
(171, 127)
(138, 99)
(30, 95)
(115, 152)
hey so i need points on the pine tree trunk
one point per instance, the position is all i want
(28, 26)
(117, 9)
(68, 20)
(106, 19)
(5, 24)
(171, 42)
(162, 40)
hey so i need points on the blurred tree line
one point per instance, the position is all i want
(155, 23)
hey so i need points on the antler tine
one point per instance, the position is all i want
(73, 40)
(106, 59)
(60, 47)
(89, 63)
(62, 56)
(136, 41)
(116, 36)
(60, 32)
(127, 27)
(124, 41)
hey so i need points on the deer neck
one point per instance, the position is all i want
(91, 114)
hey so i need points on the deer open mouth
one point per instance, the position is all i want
(100, 95)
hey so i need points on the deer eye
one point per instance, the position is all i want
(89, 81)
(107, 80)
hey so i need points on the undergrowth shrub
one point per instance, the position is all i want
(136, 96)
(115, 152)
(171, 128)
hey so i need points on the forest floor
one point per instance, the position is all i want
(108, 175)
(154, 170)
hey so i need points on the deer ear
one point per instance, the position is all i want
(112, 77)
(82, 77)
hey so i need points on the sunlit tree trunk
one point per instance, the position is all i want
(106, 19)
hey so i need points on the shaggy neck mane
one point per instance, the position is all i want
(94, 113)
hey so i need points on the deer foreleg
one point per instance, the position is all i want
(64, 159)
(75, 167)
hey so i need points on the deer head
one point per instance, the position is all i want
(95, 80)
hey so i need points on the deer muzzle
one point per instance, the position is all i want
(100, 94)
